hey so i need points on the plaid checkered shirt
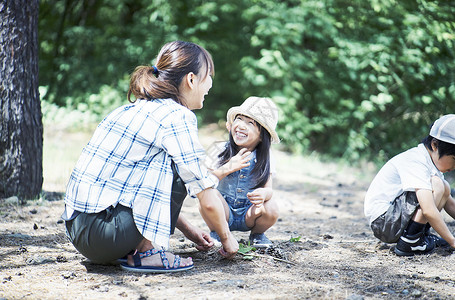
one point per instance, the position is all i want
(128, 161)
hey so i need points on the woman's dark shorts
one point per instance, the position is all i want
(111, 234)
(389, 226)
(105, 236)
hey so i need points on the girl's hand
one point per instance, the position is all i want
(258, 196)
(230, 247)
(238, 162)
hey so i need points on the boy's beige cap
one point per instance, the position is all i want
(443, 129)
(262, 110)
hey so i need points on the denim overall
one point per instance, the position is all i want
(234, 188)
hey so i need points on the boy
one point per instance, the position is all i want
(407, 195)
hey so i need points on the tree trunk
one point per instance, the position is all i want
(21, 128)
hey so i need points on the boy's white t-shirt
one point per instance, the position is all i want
(405, 172)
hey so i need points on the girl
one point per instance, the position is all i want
(125, 193)
(244, 169)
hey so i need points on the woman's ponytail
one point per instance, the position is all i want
(161, 81)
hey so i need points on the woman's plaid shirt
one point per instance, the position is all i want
(128, 161)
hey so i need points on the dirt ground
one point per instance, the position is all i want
(336, 256)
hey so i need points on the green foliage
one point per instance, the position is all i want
(246, 250)
(353, 79)
(364, 78)
(295, 239)
(87, 113)
(88, 44)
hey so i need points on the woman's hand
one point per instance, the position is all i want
(202, 239)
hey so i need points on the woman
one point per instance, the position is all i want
(125, 193)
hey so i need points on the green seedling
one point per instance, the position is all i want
(245, 250)
(295, 239)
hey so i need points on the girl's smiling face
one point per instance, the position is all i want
(245, 132)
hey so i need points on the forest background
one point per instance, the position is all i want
(353, 79)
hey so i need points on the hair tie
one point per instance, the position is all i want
(155, 70)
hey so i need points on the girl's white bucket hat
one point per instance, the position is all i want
(262, 110)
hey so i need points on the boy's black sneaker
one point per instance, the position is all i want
(438, 241)
(409, 245)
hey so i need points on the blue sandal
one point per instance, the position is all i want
(166, 268)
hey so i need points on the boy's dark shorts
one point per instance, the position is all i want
(389, 226)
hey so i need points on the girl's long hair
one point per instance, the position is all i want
(175, 60)
(261, 170)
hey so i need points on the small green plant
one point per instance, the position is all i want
(295, 239)
(245, 250)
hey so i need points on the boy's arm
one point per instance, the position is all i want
(433, 216)
(450, 207)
